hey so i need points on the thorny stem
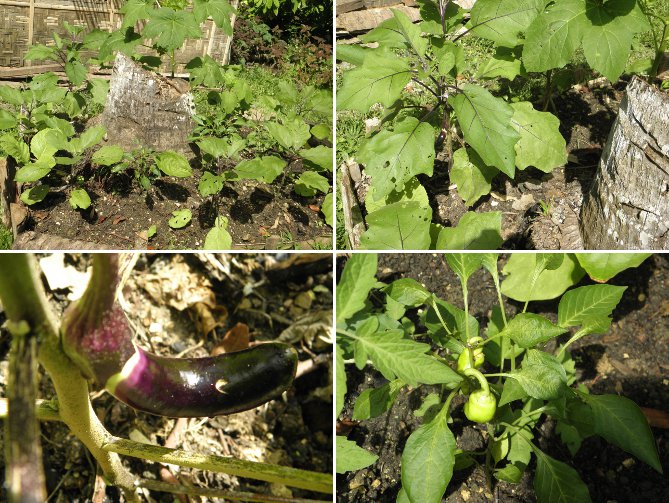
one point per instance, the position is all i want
(24, 299)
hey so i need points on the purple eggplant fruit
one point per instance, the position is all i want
(96, 335)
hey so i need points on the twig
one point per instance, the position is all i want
(312, 481)
(154, 485)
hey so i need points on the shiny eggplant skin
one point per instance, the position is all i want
(205, 387)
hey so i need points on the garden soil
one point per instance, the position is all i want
(260, 216)
(294, 430)
(632, 360)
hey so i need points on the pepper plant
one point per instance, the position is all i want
(93, 344)
(438, 108)
(517, 370)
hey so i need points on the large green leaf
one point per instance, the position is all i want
(604, 266)
(11, 95)
(218, 238)
(7, 120)
(356, 281)
(319, 157)
(219, 10)
(504, 63)
(79, 198)
(76, 72)
(291, 135)
(408, 292)
(557, 482)
(265, 168)
(173, 164)
(472, 176)
(398, 32)
(551, 283)
(35, 194)
(35, 170)
(47, 142)
(18, 149)
(380, 79)
(540, 145)
(169, 28)
(504, 21)
(588, 304)
(375, 401)
(350, 457)
(464, 264)
(486, 124)
(475, 231)
(108, 155)
(309, 183)
(392, 158)
(528, 329)
(397, 357)
(398, 226)
(539, 381)
(427, 461)
(554, 35)
(620, 421)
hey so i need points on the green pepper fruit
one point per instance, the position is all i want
(463, 359)
(481, 406)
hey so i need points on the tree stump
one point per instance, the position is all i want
(627, 206)
(146, 109)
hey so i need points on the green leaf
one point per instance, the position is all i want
(264, 169)
(607, 42)
(169, 28)
(47, 142)
(353, 53)
(475, 231)
(602, 267)
(528, 329)
(621, 422)
(550, 284)
(90, 137)
(511, 391)
(318, 158)
(322, 132)
(326, 209)
(398, 32)
(151, 231)
(454, 319)
(398, 226)
(210, 184)
(76, 72)
(218, 238)
(39, 51)
(504, 63)
(485, 122)
(173, 164)
(221, 147)
(540, 145)
(356, 281)
(35, 170)
(340, 374)
(392, 158)
(408, 292)
(7, 119)
(463, 264)
(350, 457)
(180, 218)
(399, 358)
(472, 176)
(219, 10)
(18, 149)
(108, 155)
(427, 461)
(380, 79)
(35, 194)
(557, 482)
(290, 135)
(99, 88)
(375, 401)
(134, 10)
(554, 35)
(540, 381)
(11, 95)
(310, 182)
(588, 304)
(79, 198)
(504, 21)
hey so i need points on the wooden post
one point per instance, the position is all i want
(627, 206)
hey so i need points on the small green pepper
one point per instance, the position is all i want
(463, 359)
(481, 406)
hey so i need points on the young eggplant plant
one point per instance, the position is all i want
(97, 336)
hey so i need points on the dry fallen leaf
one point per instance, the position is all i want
(237, 339)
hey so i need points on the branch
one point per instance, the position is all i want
(304, 479)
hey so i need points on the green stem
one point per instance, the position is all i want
(443, 323)
(579, 333)
(23, 298)
(472, 372)
(312, 481)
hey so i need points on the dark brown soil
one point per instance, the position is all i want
(260, 216)
(541, 210)
(632, 359)
(295, 430)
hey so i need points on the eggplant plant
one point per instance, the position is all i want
(93, 343)
(515, 373)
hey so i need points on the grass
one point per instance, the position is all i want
(6, 238)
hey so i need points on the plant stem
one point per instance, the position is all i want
(443, 323)
(312, 481)
(472, 372)
(23, 298)
(45, 410)
(579, 333)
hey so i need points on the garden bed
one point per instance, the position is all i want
(631, 359)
